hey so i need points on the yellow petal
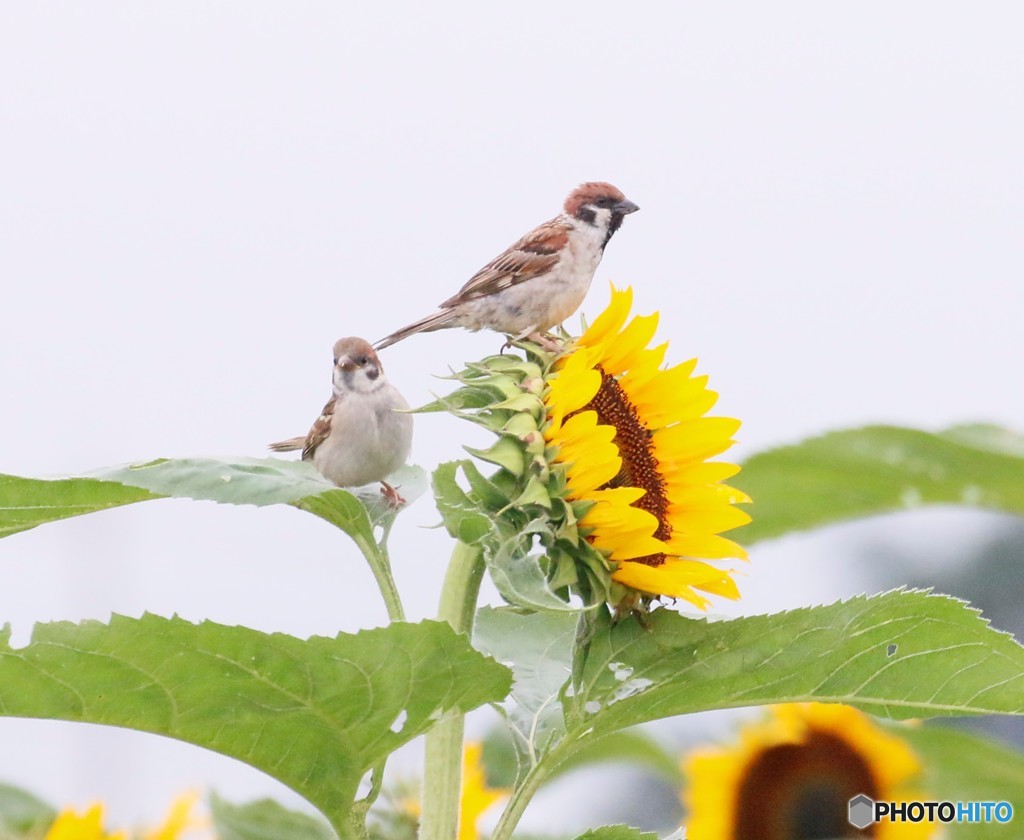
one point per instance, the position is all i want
(580, 427)
(618, 495)
(710, 546)
(584, 477)
(694, 440)
(702, 473)
(626, 546)
(704, 496)
(662, 407)
(674, 581)
(712, 520)
(661, 381)
(611, 320)
(628, 347)
(620, 519)
(572, 387)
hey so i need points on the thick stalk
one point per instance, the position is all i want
(442, 776)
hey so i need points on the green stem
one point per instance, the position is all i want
(377, 556)
(442, 776)
(524, 792)
(347, 828)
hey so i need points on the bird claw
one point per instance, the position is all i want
(545, 342)
(542, 340)
(391, 495)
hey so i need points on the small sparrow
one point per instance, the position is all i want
(362, 435)
(541, 279)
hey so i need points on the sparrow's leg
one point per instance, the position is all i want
(542, 340)
(546, 342)
(391, 494)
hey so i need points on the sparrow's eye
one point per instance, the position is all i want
(604, 202)
(362, 361)
(335, 360)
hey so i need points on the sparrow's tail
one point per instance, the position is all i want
(437, 321)
(289, 445)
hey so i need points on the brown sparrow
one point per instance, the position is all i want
(541, 279)
(362, 435)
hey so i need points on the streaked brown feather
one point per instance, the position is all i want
(321, 429)
(535, 254)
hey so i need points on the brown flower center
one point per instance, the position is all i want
(802, 791)
(639, 466)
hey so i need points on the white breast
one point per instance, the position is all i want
(369, 440)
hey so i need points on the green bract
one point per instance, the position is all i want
(519, 516)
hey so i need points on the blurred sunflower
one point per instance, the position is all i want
(69, 825)
(634, 442)
(792, 775)
(475, 799)
(89, 826)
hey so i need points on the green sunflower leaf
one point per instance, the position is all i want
(487, 491)
(961, 767)
(617, 832)
(878, 469)
(265, 820)
(505, 452)
(464, 516)
(631, 746)
(23, 814)
(315, 714)
(517, 570)
(28, 502)
(538, 648)
(898, 655)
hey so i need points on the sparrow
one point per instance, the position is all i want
(361, 436)
(540, 280)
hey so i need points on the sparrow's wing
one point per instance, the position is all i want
(533, 255)
(321, 429)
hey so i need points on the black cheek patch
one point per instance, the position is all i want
(585, 214)
(614, 223)
(372, 374)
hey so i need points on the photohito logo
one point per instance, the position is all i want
(864, 811)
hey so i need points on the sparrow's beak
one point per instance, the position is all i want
(625, 207)
(346, 363)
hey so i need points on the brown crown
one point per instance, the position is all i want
(588, 193)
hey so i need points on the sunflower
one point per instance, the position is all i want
(69, 825)
(792, 775)
(634, 441)
(604, 488)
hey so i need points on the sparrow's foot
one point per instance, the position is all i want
(391, 494)
(545, 342)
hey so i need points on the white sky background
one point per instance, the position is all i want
(197, 199)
